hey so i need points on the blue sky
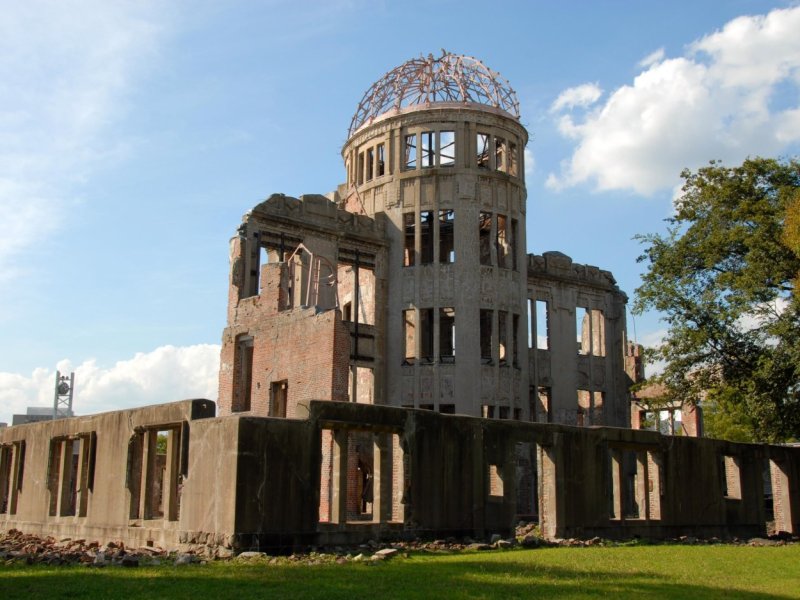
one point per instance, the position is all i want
(134, 135)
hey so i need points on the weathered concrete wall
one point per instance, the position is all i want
(586, 358)
(252, 482)
(45, 483)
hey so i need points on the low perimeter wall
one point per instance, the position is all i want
(174, 475)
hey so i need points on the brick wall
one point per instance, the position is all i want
(309, 350)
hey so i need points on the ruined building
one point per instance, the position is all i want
(394, 364)
(410, 285)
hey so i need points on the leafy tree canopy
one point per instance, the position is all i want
(725, 278)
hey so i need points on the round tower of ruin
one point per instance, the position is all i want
(436, 145)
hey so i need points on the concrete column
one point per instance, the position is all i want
(65, 480)
(642, 486)
(146, 508)
(339, 483)
(382, 479)
(617, 486)
(170, 483)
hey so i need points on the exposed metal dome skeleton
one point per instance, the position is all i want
(423, 81)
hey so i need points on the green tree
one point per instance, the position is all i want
(723, 276)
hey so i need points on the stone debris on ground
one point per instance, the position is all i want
(16, 546)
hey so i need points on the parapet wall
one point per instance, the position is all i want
(171, 476)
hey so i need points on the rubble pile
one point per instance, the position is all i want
(17, 546)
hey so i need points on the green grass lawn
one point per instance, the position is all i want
(635, 571)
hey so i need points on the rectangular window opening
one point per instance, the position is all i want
(485, 237)
(5, 478)
(731, 478)
(279, 395)
(370, 165)
(486, 336)
(527, 481)
(428, 152)
(243, 378)
(447, 335)
(155, 473)
(503, 243)
(487, 411)
(410, 152)
(542, 325)
(426, 235)
(447, 148)
(482, 156)
(446, 236)
(584, 408)
(409, 229)
(515, 340)
(381, 158)
(502, 330)
(500, 154)
(495, 482)
(410, 335)
(360, 168)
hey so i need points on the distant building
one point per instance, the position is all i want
(34, 414)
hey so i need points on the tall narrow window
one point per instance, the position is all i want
(513, 168)
(279, 394)
(500, 154)
(515, 340)
(426, 334)
(360, 168)
(447, 334)
(485, 237)
(446, 236)
(410, 335)
(583, 325)
(244, 373)
(486, 336)
(502, 336)
(447, 148)
(370, 164)
(426, 235)
(5, 478)
(503, 242)
(410, 152)
(380, 167)
(542, 325)
(409, 227)
(428, 153)
(482, 156)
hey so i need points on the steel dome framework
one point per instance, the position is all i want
(451, 78)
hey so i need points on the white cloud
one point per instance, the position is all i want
(166, 374)
(578, 96)
(65, 71)
(712, 103)
(652, 58)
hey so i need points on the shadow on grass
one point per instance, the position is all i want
(419, 577)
